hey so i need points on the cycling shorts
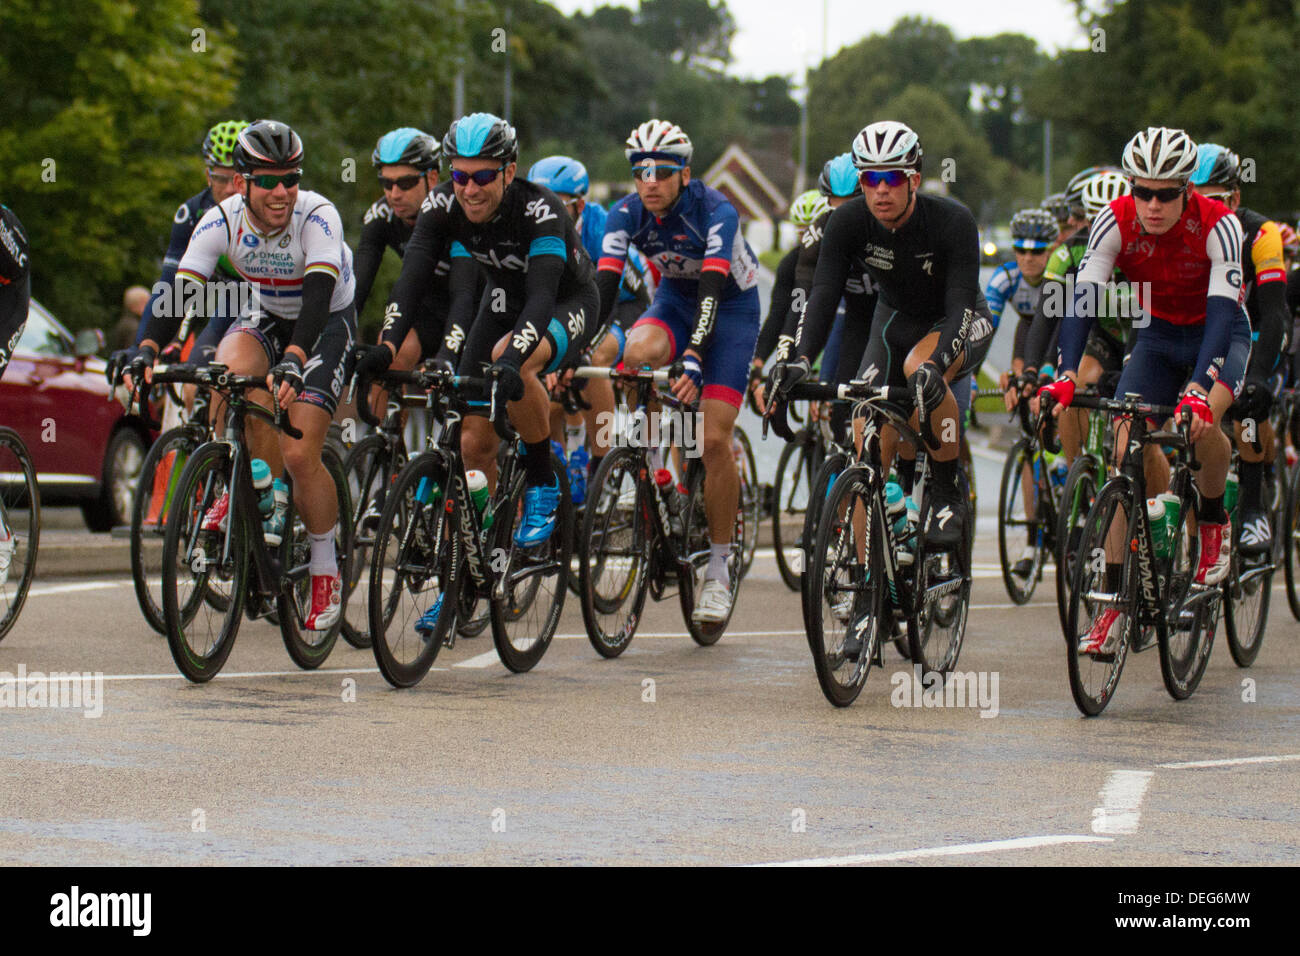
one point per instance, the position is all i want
(1164, 356)
(735, 332)
(621, 320)
(205, 345)
(332, 354)
(1105, 349)
(834, 347)
(895, 334)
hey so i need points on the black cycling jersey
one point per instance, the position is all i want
(383, 229)
(15, 283)
(782, 294)
(1265, 302)
(927, 269)
(530, 250)
(859, 294)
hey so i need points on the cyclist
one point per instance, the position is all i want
(223, 182)
(15, 296)
(406, 161)
(921, 252)
(1017, 283)
(287, 242)
(567, 178)
(705, 312)
(1192, 348)
(534, 317)
(1060, 210)
(1218, 176)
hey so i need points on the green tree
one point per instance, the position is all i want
(688, 31)
(106, 104)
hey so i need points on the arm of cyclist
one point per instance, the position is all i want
(545, 270)
(961, 293)
(419, 265)
(782, 292)
(463, 287)
(810, 327)
(1223, 247)
(368, 256)
(183, 227)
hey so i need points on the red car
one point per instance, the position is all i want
(85, 448)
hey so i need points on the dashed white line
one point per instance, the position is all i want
(961, 849)
(1235, 762)
(1121, 801)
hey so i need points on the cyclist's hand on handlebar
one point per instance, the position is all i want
(1062, 393)
(139, 368)
(786, 375)
(285, 381)
(372, 360)
(688, 385)
(1195, 410)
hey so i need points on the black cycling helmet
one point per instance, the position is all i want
(267, 144)
(1074, 188)
(481, 136)
(407, 146)
(1033, 229)
(1058, 207)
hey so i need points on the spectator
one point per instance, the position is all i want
(134, 300)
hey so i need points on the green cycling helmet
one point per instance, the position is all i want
(807, 207)
(219, 144)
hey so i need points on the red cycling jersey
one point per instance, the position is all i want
(1199, 257)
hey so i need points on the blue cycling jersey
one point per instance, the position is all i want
(1008, 286)
(591, 227)
(699, 234)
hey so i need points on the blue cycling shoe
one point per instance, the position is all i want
(538, 519)
(428, 621)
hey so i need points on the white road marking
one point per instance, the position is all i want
(79, 586)
(961, 849)
(1121, 801)
(1236, 762)
(988, 454)
(486, 659)
(222, 676)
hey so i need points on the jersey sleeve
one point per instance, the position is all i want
(1095, 268)
(998, 291)
(723, 225)
(962, 288)
(619, 226)
(369, 255)
(322, 241)
(813, 324)
(206, 245)
(419, 266)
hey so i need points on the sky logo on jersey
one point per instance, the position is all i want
(250, 240)
(526, 337)
(435, 200)
(490, 258)
(540, 210)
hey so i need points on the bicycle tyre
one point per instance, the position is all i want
(693, 560)
(791, 467)
(1009, 495)
(751, 496)
(611, 639)
(207, 474)
(1291, 544)
(1245, 585)
(1077, 499)
(370, 474)
(21, 508)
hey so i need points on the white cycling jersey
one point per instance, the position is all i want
(275, 264)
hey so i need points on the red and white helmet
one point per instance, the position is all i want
(1160, 153)
(887, 144)
(659, 138)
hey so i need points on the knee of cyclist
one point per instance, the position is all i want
(477, 443)
(605, 352)
(299, 458)
(715, 445)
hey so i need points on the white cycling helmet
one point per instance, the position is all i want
(1160, 153)
(658, 137)
(1103, 189)
(887, 144)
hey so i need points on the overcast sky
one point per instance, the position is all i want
(770, 39)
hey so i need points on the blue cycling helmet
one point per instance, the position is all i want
(839, 177)
(481, 136)
(560, 174)
(407, 146)
(1216, 166)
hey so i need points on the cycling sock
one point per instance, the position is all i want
(944, 473)
(593, 464)
(537, 463)
(1211, 511)
(323, 560)
(1114, 574)
(1252, 483)
(717, 570)
(906, 468)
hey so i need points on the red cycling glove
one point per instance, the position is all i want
(1194, 402)
(1062, 390)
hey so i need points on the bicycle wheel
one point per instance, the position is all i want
(751, 496)
(1094, 677)
(614, 552)
(1013, 520)
(693, 559)
(370, 473)
(20, 526)
(942, 594)
(159, 475)
(198, 565)
(528, 591)
(845, 619)
(822, 482)
(1076, 500)
(1290, 530)
(1186, 640)
(411, 572)
(1246, 593)
(308, 649)
(794, 474)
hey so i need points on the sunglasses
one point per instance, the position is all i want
(404, 183)
(269, 181)
(1164, 195)
(221, 179)
(1030, 250)
(484, 177)
(657, 173)
(1221, 197)
(890, 177)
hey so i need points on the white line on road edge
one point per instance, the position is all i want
(961, 849)
(988, 454)
(294, 673)
(1198, 764)
(79, 586)
(486, 659)
(1121, 799)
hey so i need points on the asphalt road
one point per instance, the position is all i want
(731, 755)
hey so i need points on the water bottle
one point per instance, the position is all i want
(281, 492)
(896, 509)
(1173, 510)
(1057, 469)
(1230, 493)
(427, 491)
(262, 485)
(478, 493)
(905, 556)
(1158, 517)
